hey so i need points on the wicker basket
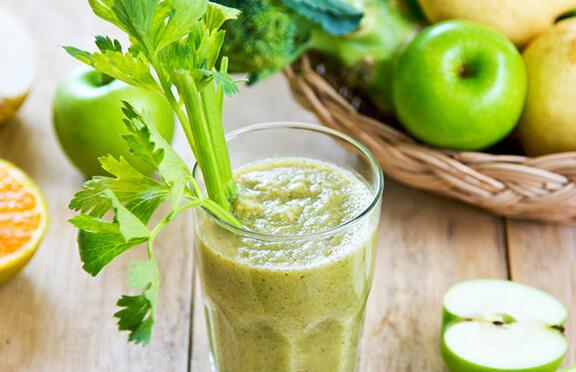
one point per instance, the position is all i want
(541, 188)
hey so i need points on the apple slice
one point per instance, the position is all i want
(498, 325)
(16, 64)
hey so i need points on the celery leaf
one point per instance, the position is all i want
(137, 314)
(101, 241)
(147, 143)
(130, 68)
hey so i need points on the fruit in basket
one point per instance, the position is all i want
(360, 37)
(459, 85)
(23, 219)
(520, 21)
(16, 64)
(548, 124)
(88, 118)
(498, 325)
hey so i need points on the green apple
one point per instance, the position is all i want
(459, 85)
(502, 326)
(547, 125)
(88, 118)
(520, 21)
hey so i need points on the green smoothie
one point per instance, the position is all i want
(284, 303)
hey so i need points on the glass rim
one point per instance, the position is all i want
(376, 194)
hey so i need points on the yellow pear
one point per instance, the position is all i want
(548, 124)
(519, 20)
(16, 64)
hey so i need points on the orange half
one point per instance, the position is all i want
(23, 219)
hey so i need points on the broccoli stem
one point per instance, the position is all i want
(369, 54)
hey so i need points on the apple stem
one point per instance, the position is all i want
(105, 79)
(465, 71)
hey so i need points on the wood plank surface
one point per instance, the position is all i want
(545, 257)
(426, 245)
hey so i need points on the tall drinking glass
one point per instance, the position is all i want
(300, 305)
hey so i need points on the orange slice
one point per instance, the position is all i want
(23, 219)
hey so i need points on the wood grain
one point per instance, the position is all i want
(545, 257)
(426, 245)
(199, 357)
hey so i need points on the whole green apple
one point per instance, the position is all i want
(459, 85)
(88, 118)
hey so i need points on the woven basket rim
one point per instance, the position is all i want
(518, 186)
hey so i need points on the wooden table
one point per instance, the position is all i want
(55, 317)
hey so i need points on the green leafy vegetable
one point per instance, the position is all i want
(100, 242)
(133, 69)
(137, 315)
(336, 16)
(175, 51)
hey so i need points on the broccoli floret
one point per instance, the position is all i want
(266, 37)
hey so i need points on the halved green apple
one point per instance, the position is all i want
(502, 326)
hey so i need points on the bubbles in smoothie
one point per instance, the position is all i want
(295, 196)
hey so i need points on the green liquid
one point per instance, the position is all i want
(293, 305)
